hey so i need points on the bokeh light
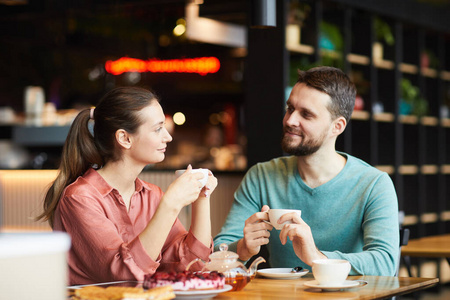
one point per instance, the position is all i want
(179, 118)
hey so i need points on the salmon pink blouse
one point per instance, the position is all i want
(105, 235)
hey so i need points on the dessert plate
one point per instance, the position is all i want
(345, 285)
(281, 273)
(201, 294)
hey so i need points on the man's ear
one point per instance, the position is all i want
(339, 126)
(123, 139)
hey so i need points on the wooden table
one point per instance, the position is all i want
(378, 287)
(430, 246)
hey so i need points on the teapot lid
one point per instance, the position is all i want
(224, 253)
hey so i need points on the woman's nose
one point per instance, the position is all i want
(168, 138)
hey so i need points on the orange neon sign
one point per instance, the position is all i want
(200, 65)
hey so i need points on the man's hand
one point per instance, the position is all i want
(256, 233)
(301, 236)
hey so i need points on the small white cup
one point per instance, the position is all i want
(275, 215)
(203, 180)
(330, 272)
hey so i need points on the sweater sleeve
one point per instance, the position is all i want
(246, 202)
(380, 228)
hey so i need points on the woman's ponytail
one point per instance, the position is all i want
(78, 155)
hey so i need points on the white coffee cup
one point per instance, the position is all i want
(275, 215)
(203, 180)
(330, 272)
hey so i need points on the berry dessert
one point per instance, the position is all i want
(186, 280)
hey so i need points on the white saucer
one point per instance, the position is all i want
(281, 273)
(201, 294)
(345, 285)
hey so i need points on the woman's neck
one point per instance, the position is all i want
(120, 177)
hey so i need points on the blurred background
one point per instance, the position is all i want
(62, 48)
(223, 71)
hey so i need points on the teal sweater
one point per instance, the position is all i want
(354, 216)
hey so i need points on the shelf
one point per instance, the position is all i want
(445, 169)
(408, 119)
(300, 48)
(414, 170)
(408, 170)
(408, 68)
(384, 117)
(429, 169)
(384, 64)
(40, 136)
(358, 59)
(360, 115)
(445, 216)
(388, 169)
(445, 122)
(293, 44)
(431, 73)
(445, 75)
(404, 119)
(429, 121)
(410, 220)
(426, 218)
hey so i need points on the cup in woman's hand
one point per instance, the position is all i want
(203, 180)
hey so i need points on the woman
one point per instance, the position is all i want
(122, 227)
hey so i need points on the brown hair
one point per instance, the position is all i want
(118, 109)
(335, 83)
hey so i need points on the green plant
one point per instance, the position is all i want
(412, 99)
(383, 32)
(331, 37)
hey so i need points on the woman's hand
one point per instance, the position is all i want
(210, 185)
(184, 190)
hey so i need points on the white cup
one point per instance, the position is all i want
(275, 215)
(203, 180)
(330, 272)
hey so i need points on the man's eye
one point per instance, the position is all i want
(306, 115)
(289, 108)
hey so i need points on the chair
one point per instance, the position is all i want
(404, 238)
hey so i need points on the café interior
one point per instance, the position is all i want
(223, 71)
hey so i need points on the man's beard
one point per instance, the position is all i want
(304, 148)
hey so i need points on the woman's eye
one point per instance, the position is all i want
(158, 129)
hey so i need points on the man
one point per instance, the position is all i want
(349, 209)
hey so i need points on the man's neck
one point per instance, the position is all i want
(320, 167)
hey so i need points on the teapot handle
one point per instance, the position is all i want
(193, 262)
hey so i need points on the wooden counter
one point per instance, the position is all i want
(378, 287)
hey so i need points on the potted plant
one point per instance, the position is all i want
(384, 36)
(412, 101)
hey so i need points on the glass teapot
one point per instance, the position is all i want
(226, 262)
